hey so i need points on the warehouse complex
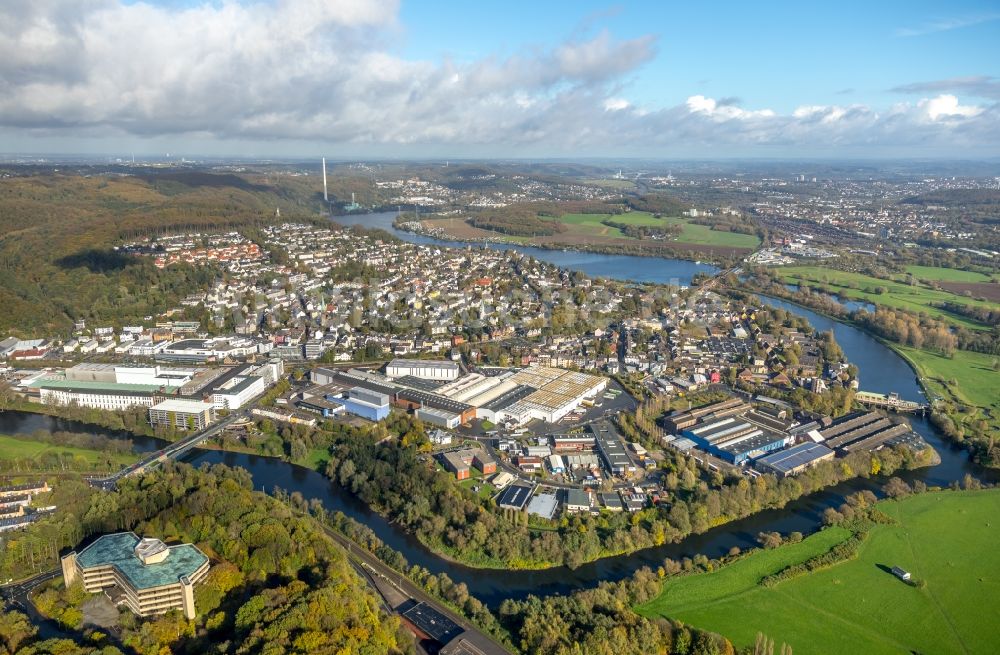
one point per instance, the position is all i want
(116, 387)
(146, 575)
(763, 434)
(513, 397)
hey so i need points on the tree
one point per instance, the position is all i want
(896, 488)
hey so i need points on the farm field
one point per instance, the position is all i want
(43, 454)
(976, 383)
(976, 285)
(898, 295)
(591, 225)
(946, 274)
(587, 231)
(946, 539)
(611, 183)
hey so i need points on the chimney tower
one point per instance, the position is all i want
(326, 198)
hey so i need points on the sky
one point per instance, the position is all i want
(357, 79)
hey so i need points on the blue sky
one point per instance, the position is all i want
(775, 54)
(383, 78)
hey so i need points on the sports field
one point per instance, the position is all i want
(947, 539)
(47, 456)
(915, 298)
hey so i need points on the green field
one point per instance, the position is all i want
(30, 450)
(315, 459)
(976, 383)
(946, 274)
(590, 225)
(899, 295)
(946, 539)
(611, 183)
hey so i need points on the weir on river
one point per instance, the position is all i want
(881, 370)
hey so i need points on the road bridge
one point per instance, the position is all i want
(173, 451)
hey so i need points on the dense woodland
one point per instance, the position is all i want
(278, 584)
(57, 231)
(397, 479)
(524, 219)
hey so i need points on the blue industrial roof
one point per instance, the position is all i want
(789, 459)
(118, 550)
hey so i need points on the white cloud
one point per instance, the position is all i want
(946, 107)
(616, 104)
(723, 111)
(308, 71)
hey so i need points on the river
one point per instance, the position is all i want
(677, 272)
(881, 370)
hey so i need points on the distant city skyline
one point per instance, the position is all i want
(381, 79)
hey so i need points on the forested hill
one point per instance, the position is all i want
(57, 232)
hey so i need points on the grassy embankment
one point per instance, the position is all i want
(966, 378)
(39, 455)
(946, 539)
(899, 295)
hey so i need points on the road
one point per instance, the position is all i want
(480, 639)
(172, 451)
(15, 596)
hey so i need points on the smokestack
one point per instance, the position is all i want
(326, 198)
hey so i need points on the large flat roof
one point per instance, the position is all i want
(792, 458)
(92, 385)
(515, 495)
(118, 550)
(178, 405)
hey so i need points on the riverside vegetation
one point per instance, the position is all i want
(958, 365)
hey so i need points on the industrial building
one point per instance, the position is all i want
(514, 497)
(678, 421)
(183, 414)
(544, 505)
(734, 439)
(235, 388)
(611, 449)
(577, 500)
(438, 417)
(863, 431)
(362, 402)
(794, 460)
(146, 575)
(460, 461)
(423, 369)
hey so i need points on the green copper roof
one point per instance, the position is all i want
(117, 550)
(60, 383)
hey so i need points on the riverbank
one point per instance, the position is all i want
(647, 248)
(26, 455)
(494, 586)
(875, 612)
(659, 270)
(944, 380)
